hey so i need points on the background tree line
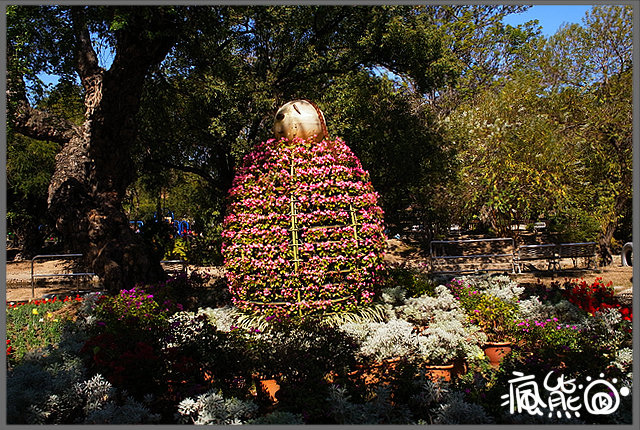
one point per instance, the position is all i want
(458, 117)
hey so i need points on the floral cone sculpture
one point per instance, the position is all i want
(304, 233)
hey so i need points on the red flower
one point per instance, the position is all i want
(593, 298)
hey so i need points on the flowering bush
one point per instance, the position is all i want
(182, 291)
(595, 297)
(131, 310)
(494, 315)
(304, 232)
(549, 333)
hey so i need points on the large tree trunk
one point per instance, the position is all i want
(92, 221)
(604, 241)
(94, 167)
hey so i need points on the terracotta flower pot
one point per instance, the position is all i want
(440, 372)
(496, 351)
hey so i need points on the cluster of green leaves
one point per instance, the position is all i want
(551, 139)
(338, 57)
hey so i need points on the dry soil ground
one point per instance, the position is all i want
(18, 274)
(18, 277)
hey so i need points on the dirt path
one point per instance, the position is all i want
(18, 279)
(18, 286)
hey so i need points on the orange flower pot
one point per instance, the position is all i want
(496, 351)
(439, 372)
(270, 387)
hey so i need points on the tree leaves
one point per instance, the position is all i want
(562, 120)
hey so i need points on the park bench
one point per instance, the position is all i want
(584, 250)
(472, 255)
(554, 253)
(546, 252)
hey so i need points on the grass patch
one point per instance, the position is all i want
(37, 324)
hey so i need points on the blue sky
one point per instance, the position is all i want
(551, 17)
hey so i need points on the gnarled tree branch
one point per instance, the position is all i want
(31, 122)
(41, 125)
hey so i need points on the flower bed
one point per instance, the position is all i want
(139, 357)
(35, 324)
(595, 297)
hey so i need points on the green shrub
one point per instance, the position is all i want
(416, 284)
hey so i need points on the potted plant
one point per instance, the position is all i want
(448, 341)
(496, 318)
(445, 335)
(381, 346)
(494, 315)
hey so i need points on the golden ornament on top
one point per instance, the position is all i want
(300, 118)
